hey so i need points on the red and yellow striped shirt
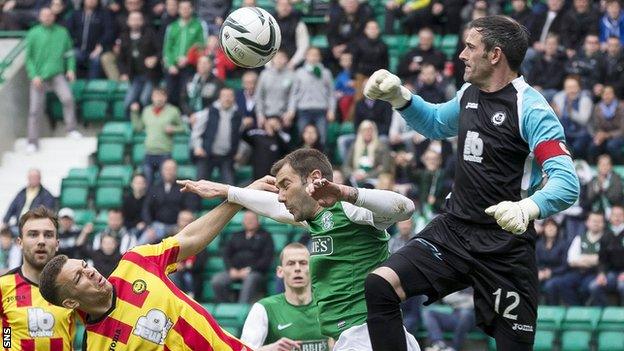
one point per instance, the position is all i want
(36, 325)
(150, 313)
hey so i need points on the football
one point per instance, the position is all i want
(250, 37)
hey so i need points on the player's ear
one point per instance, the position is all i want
(279, 272)
(70, 303)
(496, 55)
(316, 174)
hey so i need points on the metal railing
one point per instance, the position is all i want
(12, 55)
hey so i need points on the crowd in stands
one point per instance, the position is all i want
(311, 96)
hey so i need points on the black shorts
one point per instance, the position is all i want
(453, 254)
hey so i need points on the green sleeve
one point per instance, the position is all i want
(169, 58)
(69, 53)
(200, 35)
(31, 67)
(137, 121)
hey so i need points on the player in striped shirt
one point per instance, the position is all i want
(138, 307)
(34, 324)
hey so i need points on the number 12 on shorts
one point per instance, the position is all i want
(511, 295)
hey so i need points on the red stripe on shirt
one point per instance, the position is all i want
(149, 266)
(548, 149)
(27, 344)
(23, 292)
(112, 328)
(192, 338)
(56, 344)
(125, 292)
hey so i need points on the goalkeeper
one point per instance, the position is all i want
(508, 139)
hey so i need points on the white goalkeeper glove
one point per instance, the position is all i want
(514, 217)
(383, 85)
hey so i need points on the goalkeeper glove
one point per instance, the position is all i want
(514, 217)
(383, 85)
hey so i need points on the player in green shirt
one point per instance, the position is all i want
(349, 237)
(288, 320)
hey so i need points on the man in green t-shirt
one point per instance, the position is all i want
(349, 237)
(288, 320)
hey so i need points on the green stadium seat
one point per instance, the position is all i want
(234, 83)
(110, 153)
(442, 308)
(234, 331)
(99, 89)
(119, 111)
(347, 128)
(397, 44)
(107, 197)
(138, 138)
(181, 153)
(612, 318)
(94, 110)
(619, 170)
(54, 107)
(75, 197)
(244, 174)
(138, 154)
(101, 220)
(121, 88)
(581, 318)
(214, 265)
(544, 340)
(279, 241)
(83, 217)
(575, 340)
(231, 314)
(550, 317)
(80, 330)
(78, 88)
(210, 307)
(209, 204)
(214, 246)
(207, 292)
(235, 224)
(119, 175)
(187, 172)
(448, 45)
(88, 174)
(611, 340)
(75, 182)
(121, 129)
(319, 41)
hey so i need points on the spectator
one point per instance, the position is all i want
(589, 65)
(272, 99)
(521, 12)
(269, 145)
(247, 256)
(428, 86)
(124, 239)
(68, 232)
(132, 204)
(312, 94)
(138, 60)
(415, 14)
(370, 54)
(614, 66)
(213, 13)
(19, 14)
(163, 203)
(105, 258)
(367, 157)
(310, 138)
(574, 108)
(460, 321)
(245, 97)
(583, 261)
(221, 63)
(180, 36)
(169, 15)
(184, 277)
(345, 25)
(578, 22)
(446, 16)
(611, 261)
(550, 251)
(92, 32)
(160, 121)
(32, 196)
(295, 37)
(202, 90)
(61, 10)
(542, 25)
(605, 189)
(405, 232)
(607, 126)
(612, 22)
(344, 85)
(400, 135)
(431, 182)
(10, 253)
(49, 64)
(411, 64)
(215, 137)
(546, 74)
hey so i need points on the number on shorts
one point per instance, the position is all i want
(507, 313)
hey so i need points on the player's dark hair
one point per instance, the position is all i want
(6, 232)
(304, 161)
(507, 34)
(47, 280)
(39, 212)
(288, 247)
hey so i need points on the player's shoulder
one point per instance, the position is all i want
(273, 300)
(529, 97)
(10, 273)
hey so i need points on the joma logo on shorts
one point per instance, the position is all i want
(322, 245)
(522, 327)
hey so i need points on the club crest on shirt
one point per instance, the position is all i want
(326, 221)
(498, 118)
(139, 286)
(154, 326)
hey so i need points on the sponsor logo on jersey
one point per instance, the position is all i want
(473, 147)
(153, 327)
(283, 326)
(341, 324)
(322, 246)
(40, 323)
(498, 118)
(522, 327)
(327, 221)
(314, 345)
(472, 105)
(139, 286)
